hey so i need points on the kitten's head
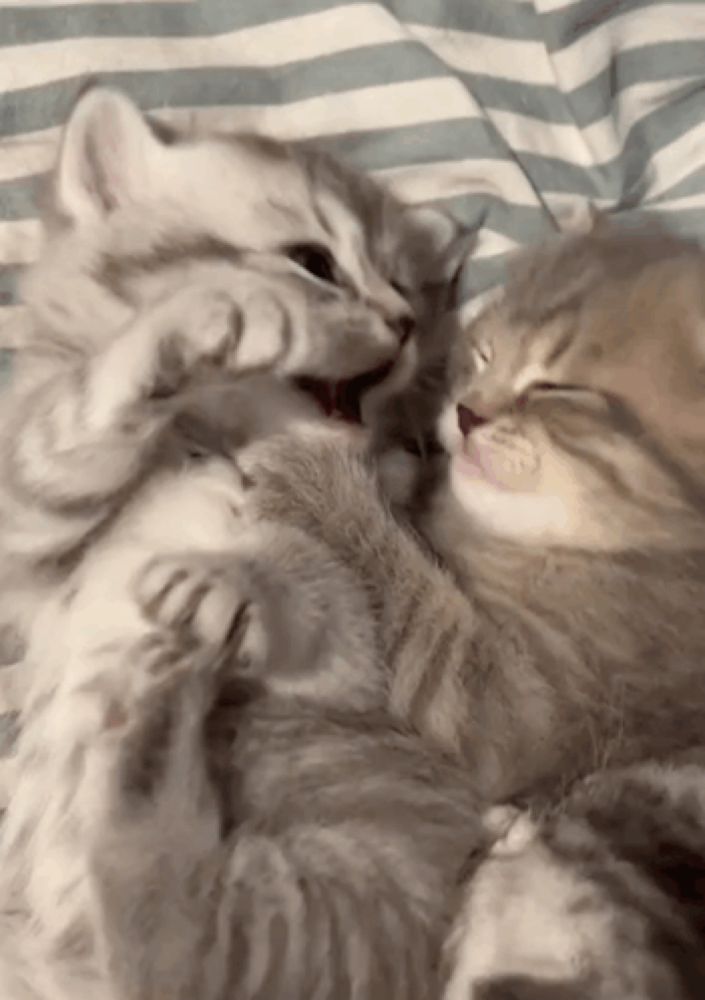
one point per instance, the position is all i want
(555, 910)
(136, 211)
(576, 415)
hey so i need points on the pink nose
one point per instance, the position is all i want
(468, 420)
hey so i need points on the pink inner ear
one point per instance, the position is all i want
(104, 158)
(93, 175)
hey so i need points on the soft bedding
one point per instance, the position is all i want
(515, 114)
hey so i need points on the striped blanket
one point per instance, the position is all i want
(516, 114)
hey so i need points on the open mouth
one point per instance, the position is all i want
(342, 400)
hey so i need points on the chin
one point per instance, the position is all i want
(527, 518)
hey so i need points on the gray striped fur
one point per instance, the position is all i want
(598, 896)
(164, 334)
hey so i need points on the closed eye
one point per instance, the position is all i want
(481, 357)
(575, 393)
(315, 259)
(555, 387)
(544, 387)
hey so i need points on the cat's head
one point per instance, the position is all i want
(136, 211)
(577, 411)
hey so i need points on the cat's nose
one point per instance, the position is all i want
(468, 420)
(403, 326)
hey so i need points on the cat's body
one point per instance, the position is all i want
(277, 848)
(281, 854)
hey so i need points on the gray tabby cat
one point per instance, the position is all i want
(572, 517)
(506, 678)
(265, 254)
(567, 630)
(600, 897)
(302, 846)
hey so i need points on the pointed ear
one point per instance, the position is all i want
(107, 158)
(445, 243)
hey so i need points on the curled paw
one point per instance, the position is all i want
(197, 328)
(205, 603)
(193, 597)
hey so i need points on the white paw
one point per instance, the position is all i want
(203, 326)
(263, 335)
(191, 596)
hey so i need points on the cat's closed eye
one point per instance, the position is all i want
(547, 387)
(565, 388)
(315, 259)
(481, 357)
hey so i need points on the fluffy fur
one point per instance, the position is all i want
(567, 630)
(153, 848)
(598, 897)
(570, 633)
(265, 254)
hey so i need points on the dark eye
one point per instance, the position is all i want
(313, 258)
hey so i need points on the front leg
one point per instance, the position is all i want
(446, 653)
(75, 446)
(80, 440)
(286, 616)
(150, 819)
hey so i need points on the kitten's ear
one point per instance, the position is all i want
(444, 241)
(107, 157)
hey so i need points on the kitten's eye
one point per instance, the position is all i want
(546, 387)
(563, 387)
(481, 357)
(315, 259)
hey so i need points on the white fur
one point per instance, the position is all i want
(518, 919)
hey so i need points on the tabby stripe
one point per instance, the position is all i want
(441, 658)
(404, 627)
(606, 469)
(561, 347)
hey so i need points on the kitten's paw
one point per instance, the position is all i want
(197, 598)
(295, 477)
(197, 328)
(351, 342)
(208, 605)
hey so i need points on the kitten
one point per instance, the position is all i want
(174, 833)
(136, 861)
(566, 628)
(601, 897)
(280, 256)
